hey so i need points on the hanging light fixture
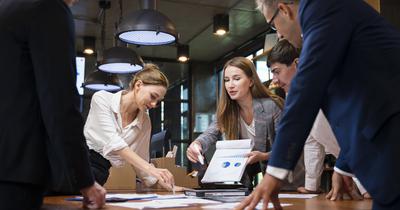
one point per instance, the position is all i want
(182, 53)
(147, 27)
(221, 24)
(99, 80)
(88, 45)
(118, 59)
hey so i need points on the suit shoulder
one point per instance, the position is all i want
(270, 106)
(268, 102)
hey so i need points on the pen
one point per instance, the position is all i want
(173, 189)
(200, 157)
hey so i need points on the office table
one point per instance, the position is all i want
(317, 203)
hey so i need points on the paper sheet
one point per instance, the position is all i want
(166, 203)
(233, 205)
(228, 162)
(161, 197)
(300, 196)
(132, 196)
(111, 197)
(159, 204)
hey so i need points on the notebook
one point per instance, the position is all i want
(229, 161)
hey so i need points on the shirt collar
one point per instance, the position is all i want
(115, 107)
(116, 102)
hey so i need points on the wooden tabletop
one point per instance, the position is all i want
(317, 203)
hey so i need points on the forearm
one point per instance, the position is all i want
(134, 159)
(209, 137)
(265, 156)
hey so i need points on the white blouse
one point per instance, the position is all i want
(247, 131)
(105, 135)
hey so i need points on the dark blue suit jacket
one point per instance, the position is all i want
(41, 129)
(350, 67)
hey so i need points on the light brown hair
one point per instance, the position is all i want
(228, 109)
(150, 75)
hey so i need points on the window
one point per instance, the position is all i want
(80, 73)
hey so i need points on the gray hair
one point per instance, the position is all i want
(261, 4)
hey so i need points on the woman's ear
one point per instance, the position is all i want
(138, 85)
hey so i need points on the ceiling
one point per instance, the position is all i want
(193, 20)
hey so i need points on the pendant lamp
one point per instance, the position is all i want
(99, 80)
(147, 27)
(120, 60)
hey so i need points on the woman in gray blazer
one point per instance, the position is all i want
(246, 110)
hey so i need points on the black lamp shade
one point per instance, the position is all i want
(120, 60)
(89, 45)
(99, 80)
(147, 27)
(221, 24)
(183, 53)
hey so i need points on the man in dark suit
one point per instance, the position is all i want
(348, 51)
(41, 129)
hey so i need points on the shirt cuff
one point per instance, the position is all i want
(359, 186)
(279, 173)
(149, 180)
(338, 170)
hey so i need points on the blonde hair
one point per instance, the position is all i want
(150, 75)
(228, 109)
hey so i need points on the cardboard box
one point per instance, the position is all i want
(180, 176)
(123, 178)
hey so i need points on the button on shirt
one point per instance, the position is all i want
(104, 132)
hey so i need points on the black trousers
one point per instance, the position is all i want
(100, 167)
(20, 196)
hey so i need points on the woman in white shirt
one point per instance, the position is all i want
(118, 128)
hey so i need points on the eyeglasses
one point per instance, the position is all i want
(271, 22)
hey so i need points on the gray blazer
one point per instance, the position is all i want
(266, 117)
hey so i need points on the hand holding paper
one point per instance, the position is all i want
(193, 153)
(199, 156)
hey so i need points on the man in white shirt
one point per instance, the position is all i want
(282, 59)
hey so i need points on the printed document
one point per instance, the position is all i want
(229, 161)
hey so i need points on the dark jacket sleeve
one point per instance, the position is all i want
(51, 41)
(342, 164)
